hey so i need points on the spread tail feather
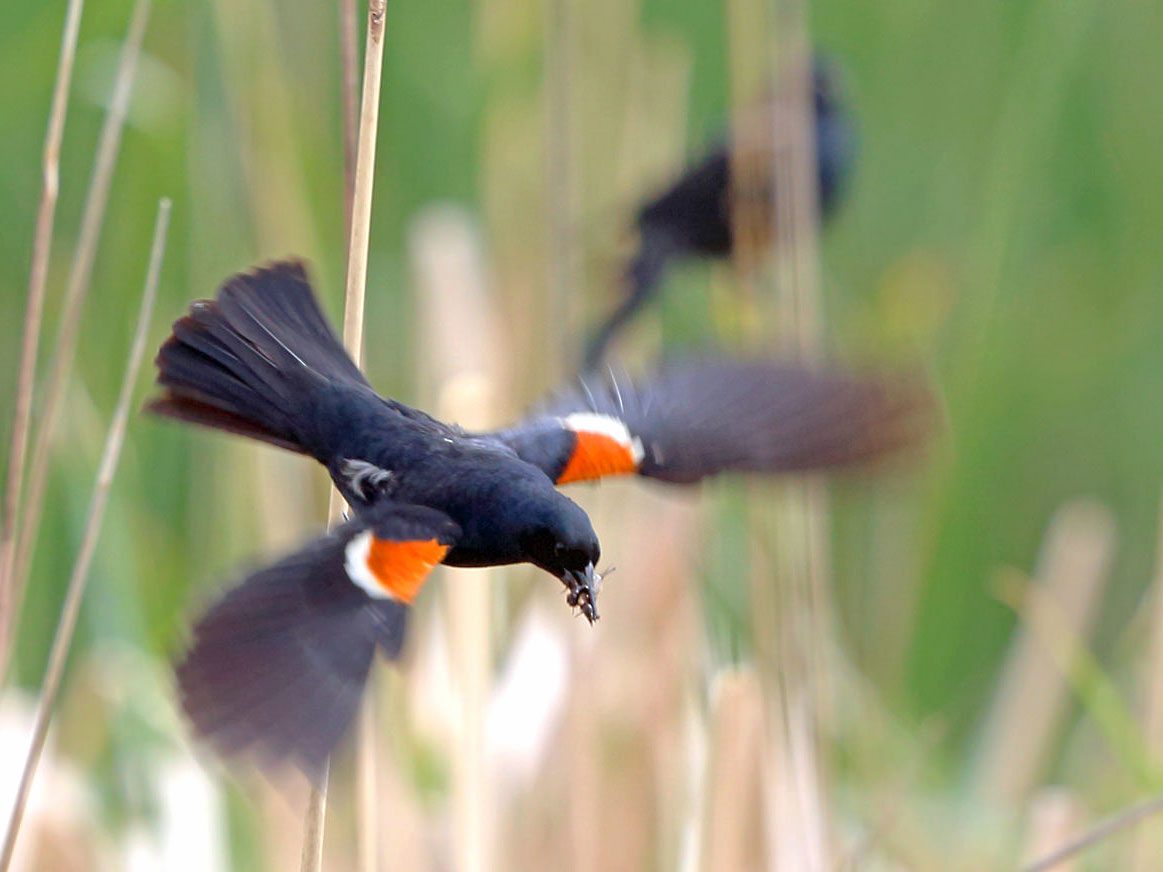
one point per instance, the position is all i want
(248, 361)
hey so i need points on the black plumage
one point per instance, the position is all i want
(693, 217)
(278, 665)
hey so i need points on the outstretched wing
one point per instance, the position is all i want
(278, 665)
(696, 418)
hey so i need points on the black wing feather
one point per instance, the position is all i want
(699, 417)
(278, 665)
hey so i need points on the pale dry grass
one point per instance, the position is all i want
(461, 366)
(63, 638)
(356, 289)
(1028, 709)
(33, 315)
(76, 291)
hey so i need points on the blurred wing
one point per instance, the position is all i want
(696, 418)
(278, 665)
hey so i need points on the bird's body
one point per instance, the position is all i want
(478, 482)
(277, 665)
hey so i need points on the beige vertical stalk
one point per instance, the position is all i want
(774, 150)
(559, 179)
(1055, 816)
(1149, 839)
(366, 761)
(92, 220)
(732, 834)
(357, 258)
(1027, 710)
(461, 366)
(799, 789)
(33, 315)
(70, 610)
(349, 63)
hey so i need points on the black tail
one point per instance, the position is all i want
(641, 281)
(278, 665)
(250, 361)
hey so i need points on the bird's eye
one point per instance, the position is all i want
(559, 548)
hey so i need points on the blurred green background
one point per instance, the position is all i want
(1002, 226)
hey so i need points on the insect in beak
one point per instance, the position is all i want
(583, 590)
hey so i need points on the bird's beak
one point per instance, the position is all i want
(583, 590)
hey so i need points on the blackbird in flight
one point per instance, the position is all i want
(277, 666)
(692, 218)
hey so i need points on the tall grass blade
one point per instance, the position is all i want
(461, 362)
(92, 221)
(63, 638)
(357, 255)
(33, 315)
(1030, 702)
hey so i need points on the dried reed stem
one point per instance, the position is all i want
(800, 325)
(34, 313)
(366, 784)
(349, 59)
(1116, 822)
(558, 183)
(365, 164)
(67, 623)
(1148, 843)
(731, 834)
(314, 820)
(357, 256)
(1032, 696)
(366, 764)
(1055, 814)
(80, 273)
(461, 368)
(773, 149)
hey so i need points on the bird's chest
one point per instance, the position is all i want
(483, 496)
(477, 486)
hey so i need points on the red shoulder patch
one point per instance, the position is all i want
(402, 567)
(596, 455)
(391, 569)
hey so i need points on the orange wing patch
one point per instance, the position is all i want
(604, 447)
(389, 569)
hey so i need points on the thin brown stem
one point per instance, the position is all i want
(34, 313)
(1128, 817)
(461, 365)
(804, 522)
(366, 784)
(1033, 695)
(365, 733)
(92, 221)
(559, 181)
(730, 819)
(313, 825)
(365, 165)
(76, 590)
(349, 60)
(776, 250)
(357, 255)
(1148, 843)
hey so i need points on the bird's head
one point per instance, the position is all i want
(564, 544)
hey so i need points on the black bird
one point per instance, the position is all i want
(692, 218)
(277, 666)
